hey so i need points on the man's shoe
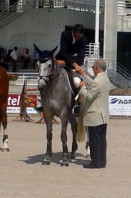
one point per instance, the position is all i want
(91, 166)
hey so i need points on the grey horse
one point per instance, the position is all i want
(57, 99)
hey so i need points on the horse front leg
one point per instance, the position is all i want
(46, 161)
(64, 142)
(73, 122)
(4, 124)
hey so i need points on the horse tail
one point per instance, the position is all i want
(80, 129)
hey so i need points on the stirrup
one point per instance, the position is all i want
(76, 110)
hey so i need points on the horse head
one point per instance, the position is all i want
(46, 66)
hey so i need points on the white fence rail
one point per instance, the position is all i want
(32, 79)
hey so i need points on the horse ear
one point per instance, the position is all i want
(52, 52)
(37, 49)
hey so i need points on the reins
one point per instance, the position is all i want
(65, 74)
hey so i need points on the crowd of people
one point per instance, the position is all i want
(14, 57)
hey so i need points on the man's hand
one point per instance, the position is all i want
(81, 72)
(82, 84)
(60, 62)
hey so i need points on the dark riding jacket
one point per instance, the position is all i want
(67, 49)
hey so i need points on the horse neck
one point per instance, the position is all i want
(56, 72)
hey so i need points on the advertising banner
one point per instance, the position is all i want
(13, 104)
(120, 105)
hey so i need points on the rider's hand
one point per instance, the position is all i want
(60, 62)
(78, 70)
(76, 67)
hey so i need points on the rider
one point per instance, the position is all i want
(72, 51)
(72, 48)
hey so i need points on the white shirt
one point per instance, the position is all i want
(14, 55)
(74, 40)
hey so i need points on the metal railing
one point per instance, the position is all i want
(119, 75)
(83, 5)
(80, 5)
(15, 8)
(124, 8)
(92, 48)
(123, 71)
(14, 11)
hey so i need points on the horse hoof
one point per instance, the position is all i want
(71, 156)
(5, 150)
(45, 162)
(65, 164)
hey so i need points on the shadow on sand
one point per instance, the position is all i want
(56, 158)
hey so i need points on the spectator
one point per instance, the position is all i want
(51, 4)
(96, 112)
(25, 56)
(3, 63)
(14, 58)
(3, 53)
(34, 58)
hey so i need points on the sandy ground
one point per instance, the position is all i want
(23, 175)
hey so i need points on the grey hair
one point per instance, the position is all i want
(101, 64)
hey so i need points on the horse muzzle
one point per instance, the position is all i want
(42, 83)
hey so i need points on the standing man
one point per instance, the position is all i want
(14, 58)
(96, 110)
(72, 48)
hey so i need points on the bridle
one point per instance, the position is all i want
(47, 77)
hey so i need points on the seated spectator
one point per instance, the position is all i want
(3, 53)
(34, 58)
(25, 56)
(14, 58)
(3, 63)
(51, 4)
(8, 54)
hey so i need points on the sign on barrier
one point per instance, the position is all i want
(120, 105)
(13, 104)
